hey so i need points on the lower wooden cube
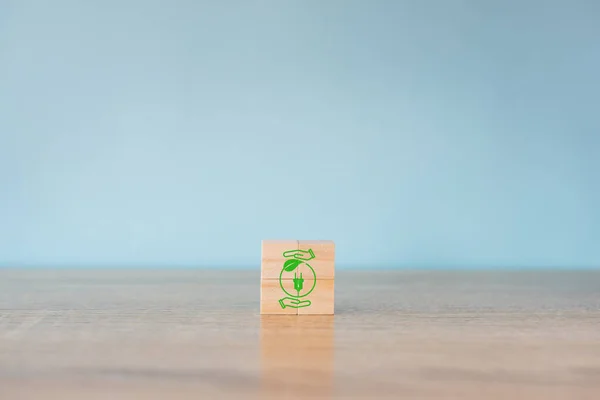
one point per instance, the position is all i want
(321, 298)
(272, 297)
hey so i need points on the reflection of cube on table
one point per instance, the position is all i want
(297, 277)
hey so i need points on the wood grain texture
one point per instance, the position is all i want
(322, 297)
(272, 258)
(324, 261)
(195, 334)
(270, 293)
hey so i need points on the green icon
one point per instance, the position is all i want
(297, 262)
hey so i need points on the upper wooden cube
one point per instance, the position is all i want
(272, 257)
(323, 261)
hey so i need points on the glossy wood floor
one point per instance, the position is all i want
(196, 334)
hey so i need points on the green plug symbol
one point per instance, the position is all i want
(298, 283)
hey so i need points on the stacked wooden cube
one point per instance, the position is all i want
(297, 277)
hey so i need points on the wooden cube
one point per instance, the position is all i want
(271, 293)
(324, 261)
(297, 277)
(272, 258)
(322, 298)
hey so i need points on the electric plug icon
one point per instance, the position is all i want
(298, 282)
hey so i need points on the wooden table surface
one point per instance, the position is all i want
(197, 334)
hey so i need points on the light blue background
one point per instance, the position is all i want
(413, 133)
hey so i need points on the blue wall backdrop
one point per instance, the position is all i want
(413, 133)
